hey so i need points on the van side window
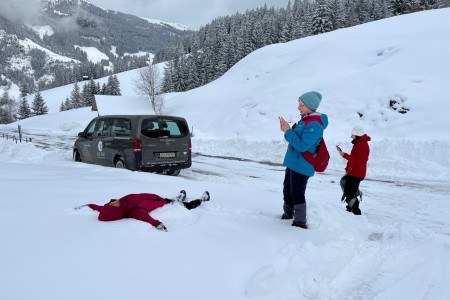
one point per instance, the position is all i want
(103, 129)
(90, 129)
(121, 127)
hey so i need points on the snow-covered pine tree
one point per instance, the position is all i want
(399, 7)
(167, 85)
(85, 97)
(24, 109)
(75, 97)
(38, 106)
(363, 11)
(322, 18)
(113, 86)
(24, 91)
(62, 107)
(7, 108)
(67, 104)
(117, 90)
(287, 27)
(337, 17)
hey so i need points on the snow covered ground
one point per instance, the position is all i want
(235, 246)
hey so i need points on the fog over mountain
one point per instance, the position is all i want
(42, 40)
(14, 10)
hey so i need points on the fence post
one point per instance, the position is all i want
(20, 132)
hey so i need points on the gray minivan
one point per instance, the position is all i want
(150, 143)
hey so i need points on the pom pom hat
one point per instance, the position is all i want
(311, 100)
(358, 131)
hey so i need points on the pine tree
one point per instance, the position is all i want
(363, 11)
(75, 97)
(167, 85)
(337, 17)
(7, 108)
(24, 109)
(62, 106)
(103, 89)
(67, 104)
(400, 7)
(113, 86)
(23, 90)
(321, 20)
(117, 91)
(287, 28)
(38, 106)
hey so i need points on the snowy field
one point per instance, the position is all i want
(236, 246)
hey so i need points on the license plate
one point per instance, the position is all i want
(167, 155)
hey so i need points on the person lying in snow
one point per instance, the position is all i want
(138, 206)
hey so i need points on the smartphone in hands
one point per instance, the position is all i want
(339, 148)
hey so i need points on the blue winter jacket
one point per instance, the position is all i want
(304, 138)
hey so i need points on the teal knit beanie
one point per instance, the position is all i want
(311, 99)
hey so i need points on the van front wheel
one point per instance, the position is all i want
(120, 164)
(76, 156)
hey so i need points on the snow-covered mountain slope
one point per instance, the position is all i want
(358, 70)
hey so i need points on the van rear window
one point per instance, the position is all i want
(157, 128)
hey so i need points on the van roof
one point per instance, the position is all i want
(142, 116)
(121, 105)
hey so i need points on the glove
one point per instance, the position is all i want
(181, 196)
(161, 227)
(205, 196)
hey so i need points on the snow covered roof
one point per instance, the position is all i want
(122, 105)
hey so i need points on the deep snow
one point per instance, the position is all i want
(236, 247)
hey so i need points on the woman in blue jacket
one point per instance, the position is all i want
(303, 136)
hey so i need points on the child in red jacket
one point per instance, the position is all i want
(138, 206)
(356, 169)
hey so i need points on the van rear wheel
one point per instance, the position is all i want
(173, 172)
(120, 163)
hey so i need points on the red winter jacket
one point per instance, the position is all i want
(358, 157)
(136, 206)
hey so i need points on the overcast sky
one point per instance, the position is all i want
(192, 13)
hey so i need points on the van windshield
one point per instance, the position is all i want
(158, 128)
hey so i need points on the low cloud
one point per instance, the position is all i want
(20, 10)
(193, 13)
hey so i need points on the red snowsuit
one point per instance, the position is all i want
(136, 206)
(358, 157)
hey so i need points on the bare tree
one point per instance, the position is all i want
(149, 83)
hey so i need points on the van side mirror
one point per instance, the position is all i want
(80, 134)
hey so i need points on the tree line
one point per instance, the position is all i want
(12, 110)
(211, 51)
(85, 97)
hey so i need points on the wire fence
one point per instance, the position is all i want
(18, 138)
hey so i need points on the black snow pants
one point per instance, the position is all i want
(350, 189)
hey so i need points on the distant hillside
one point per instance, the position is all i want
(67, 33)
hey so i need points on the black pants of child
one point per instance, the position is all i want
(189, 205)
(350, 188)
(294, 187)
